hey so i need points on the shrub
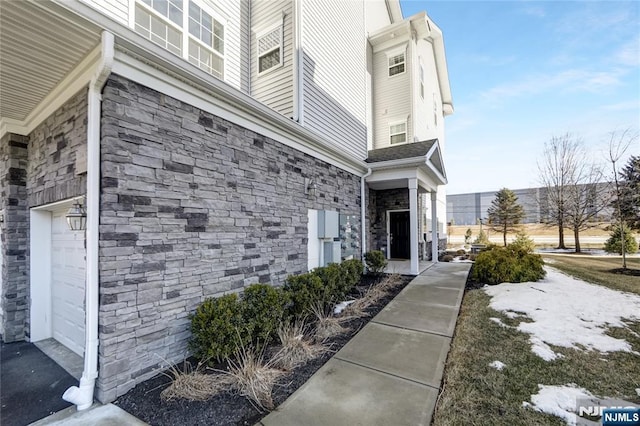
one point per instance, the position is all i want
(218, 328)
(467, 236)
(523, 242)
(461, 252)
(305, 290)
(333, 280)
(614, 243)
(375, 262)
(482, 238)
(264, 310)
(353, 269)
(447, 258)
(506, 264)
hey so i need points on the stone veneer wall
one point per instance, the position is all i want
(379, 203)
(36, 169)
(192, 206)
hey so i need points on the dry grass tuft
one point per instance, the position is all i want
(297, 347)
(327, 325)
(372, 295)
(193, 385)
(254, 378)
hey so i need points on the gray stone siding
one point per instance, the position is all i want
(379, 203)
(192, 206)
(36, 169)
(14, 229)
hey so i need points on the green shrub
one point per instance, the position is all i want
(614, 243)
(523, 242)
(375, 261)
(507, 264)
(305, 290)
(482, 238)
(447, 258)
(461, 252)
(333, 280)
(353, 270)
(218, 328)
(264, 310)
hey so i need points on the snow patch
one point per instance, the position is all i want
(499, 322)
(341, 307)
(559, 401)
(497, 365)
(566, 312)
(638, 391)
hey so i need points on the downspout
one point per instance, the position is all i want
(82, 395)
(298, 64)
(363, 213)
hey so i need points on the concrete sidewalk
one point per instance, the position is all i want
(390, 372)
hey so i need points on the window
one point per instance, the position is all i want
(185, 29)
(160, 22)
(421, 81)
(206, 41)
(396, 64)
(270, 50)
(398, 132)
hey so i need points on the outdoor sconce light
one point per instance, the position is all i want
(309, 187)
(77, 217)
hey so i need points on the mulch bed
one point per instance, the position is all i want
(227, 408)
(626, 271)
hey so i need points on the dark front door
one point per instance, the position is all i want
(399, 230)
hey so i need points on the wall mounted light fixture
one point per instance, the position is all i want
(77, 217)
(309, 187)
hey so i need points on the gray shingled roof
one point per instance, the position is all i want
(408, 150)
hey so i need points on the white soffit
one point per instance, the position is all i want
(37, 50)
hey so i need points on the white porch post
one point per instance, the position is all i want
(434, 227)
(413, 225)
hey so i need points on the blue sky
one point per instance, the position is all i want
(524, 71)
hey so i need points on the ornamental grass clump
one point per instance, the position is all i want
(193, 384)
(297, 346)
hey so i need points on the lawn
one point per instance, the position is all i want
(597, 270)
(476, 393)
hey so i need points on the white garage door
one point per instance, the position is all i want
(67, 283)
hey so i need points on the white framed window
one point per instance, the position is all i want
(185, 28)
(421, 81)
(397, 132)
(270, 49)
(396, 64)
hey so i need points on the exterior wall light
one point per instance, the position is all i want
(309, 187)
(77, 217)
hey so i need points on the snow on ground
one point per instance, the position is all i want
(559, 401)
(566, 312)
(497, 365)
(499, 322)
(638, 391)
(341, 307)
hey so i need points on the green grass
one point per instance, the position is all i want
(475, 394)
(597, 270)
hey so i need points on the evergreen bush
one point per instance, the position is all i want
(264, 309)
(507, 264)
(375, 261)
(614, 243)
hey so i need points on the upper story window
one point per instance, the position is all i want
(421, 81)
(184, 28)
(270, 49)
(398, 132)
(396, 64)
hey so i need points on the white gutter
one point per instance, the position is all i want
(363, 213)
(82, 396)
(298, 63)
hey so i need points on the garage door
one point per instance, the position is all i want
(67, 283)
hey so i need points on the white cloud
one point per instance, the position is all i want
(629, 53)
(537, 11)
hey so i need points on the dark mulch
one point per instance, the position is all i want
(144, 401)
(626, 271)
(471, 283)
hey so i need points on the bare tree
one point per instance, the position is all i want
(561, 158)
(619, 142)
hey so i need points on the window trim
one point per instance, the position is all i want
(395, 52)
(421, 77)
(277, 26)
(406, 132)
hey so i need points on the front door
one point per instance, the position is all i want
(399, 235)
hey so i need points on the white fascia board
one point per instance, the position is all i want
(400, 163)
(393, 174)
(75, 81)
(427, 181)
(257, 117)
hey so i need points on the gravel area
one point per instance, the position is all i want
(227, 408)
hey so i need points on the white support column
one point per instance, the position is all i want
(434, 227)
(413, 225)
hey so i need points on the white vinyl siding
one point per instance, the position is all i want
(117, 10)
(275, 87)
(270, 49)
(334, 82)
(391, 97)
(429, 108)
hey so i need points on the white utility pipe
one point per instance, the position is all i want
(363, 213)
(82, 395)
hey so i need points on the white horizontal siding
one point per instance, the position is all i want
(334, 79)
(274, 88)
(117, 10)
(426, 127)
(391, 98)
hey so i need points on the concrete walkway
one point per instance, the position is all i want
(390, 372)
